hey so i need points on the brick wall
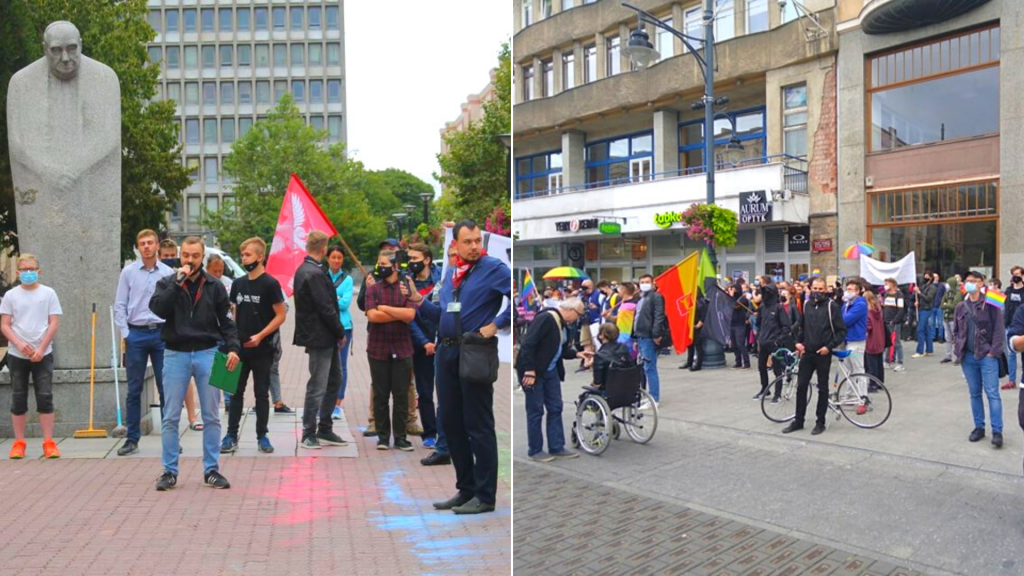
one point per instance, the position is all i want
(822, 175)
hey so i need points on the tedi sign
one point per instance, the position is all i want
(755, 207)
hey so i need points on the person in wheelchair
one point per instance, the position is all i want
(612, 355)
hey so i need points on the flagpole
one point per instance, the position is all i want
(353, 255)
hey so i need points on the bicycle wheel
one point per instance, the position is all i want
(779, 404)
(641, 420)
(593, 425)
(864, 400)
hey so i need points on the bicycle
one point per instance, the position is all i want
(861, 398)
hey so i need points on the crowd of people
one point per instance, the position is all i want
(176, 310)
(812, 317)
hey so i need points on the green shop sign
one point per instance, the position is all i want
(610, 228)
(666, 219)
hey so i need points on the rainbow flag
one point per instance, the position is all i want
(995, 298)
(529, 290)
(624, 321)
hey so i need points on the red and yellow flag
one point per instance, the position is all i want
(678, 285)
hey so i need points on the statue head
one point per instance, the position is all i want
(62, 44)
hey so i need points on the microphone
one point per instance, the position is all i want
(182, 274)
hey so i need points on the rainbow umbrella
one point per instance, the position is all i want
(565, 273)
(855, 251)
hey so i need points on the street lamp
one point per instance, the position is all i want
(642, 53)
(506, 139)
(408, 212)
(399, 219)
(426, 197)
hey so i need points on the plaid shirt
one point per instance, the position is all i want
(390, 340)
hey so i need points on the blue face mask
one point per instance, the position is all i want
(30, 277)
(971, 287)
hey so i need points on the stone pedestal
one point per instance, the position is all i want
(71, 402)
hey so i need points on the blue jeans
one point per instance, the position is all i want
(983, 373)
(649, 351)
(925, 332)
(545, 395)
(343, 356)
(141, 345)
(940, 331)
(179, 368)
(1011, 360)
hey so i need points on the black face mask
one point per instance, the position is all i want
(383, 272)
(172, 262)
(1017, 279)
(782, 299)
(250, 267)
(819, 296)
(416, 267)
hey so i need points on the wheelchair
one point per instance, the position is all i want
(602, 413)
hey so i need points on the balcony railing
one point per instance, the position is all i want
(795, 176)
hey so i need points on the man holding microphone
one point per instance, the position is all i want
(195, 309)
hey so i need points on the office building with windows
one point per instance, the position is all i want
(607, 155)
(930, 118)
(226, 64)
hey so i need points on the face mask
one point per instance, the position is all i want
(757, 282)
(818, 296)
(847, 296)
(782, 299)
(971, 287)
(1017, 279)
(384, 272)
(645, 288)
(250, 267)
(417, 267)
(29, 278)
(172, 262)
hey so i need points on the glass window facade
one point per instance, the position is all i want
(611, 161)
(539, 174)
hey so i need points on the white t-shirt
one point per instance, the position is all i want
(30, 312)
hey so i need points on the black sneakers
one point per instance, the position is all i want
(793, 427)
(215, 479)
(310, 443)
(129, 447)
(403, 445)
(436, 459)
(977, 434)
(166, 482)
(331, 439)
(818, 429)
(997, 439)
(283, 409)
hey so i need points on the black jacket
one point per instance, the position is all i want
(773, 323)
(702, 312)
(894, 309)
(543, 342)
(823, 325)
(741, 310)
(198, 325)
(651, 322)
(317, 318)
(611, 355)
(796, 319)
(926, 296)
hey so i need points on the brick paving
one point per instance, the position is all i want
(567, 525)
(305, 514)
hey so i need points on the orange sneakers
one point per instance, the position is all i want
(50, 449)
(18, 450)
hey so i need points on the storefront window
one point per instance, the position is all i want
(613, 250)
(666, 246)
(945, 248)
(745, 242)
(546, 252)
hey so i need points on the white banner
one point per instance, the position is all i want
(904, 270)
(499, 247)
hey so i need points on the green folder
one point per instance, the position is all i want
(220, 377)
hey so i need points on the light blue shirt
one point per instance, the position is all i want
(134, 290)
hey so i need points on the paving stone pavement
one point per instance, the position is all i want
(578, 527)
(913, 494)
(350, 510)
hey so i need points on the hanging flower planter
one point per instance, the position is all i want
(711, 224)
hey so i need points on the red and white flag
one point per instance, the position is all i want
(300, 215)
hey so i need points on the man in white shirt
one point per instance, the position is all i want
(29, 318)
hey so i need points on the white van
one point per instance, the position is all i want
(231, 268)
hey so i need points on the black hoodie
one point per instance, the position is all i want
(198, 324)
(773, 322)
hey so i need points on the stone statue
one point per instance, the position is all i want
(64, 131)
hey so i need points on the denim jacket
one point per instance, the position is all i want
(990, 335)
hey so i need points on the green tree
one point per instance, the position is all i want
(261, 164)
(114, 33)
(475, 170)
(390, 190)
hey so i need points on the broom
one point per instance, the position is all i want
(92, 432)
(119, 431)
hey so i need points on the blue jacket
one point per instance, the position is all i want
(855, 316)
(344, 291)
(594, 314)
(481, 298)
(422, 328)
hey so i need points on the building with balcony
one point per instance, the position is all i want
(929, 122)
(596, 141)
(226, 63)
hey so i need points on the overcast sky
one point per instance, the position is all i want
(410, 68)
